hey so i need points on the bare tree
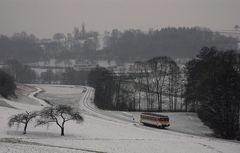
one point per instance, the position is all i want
(146, 84)
(173, 85)
(23, 118)
(139, 80)
(60, 115)
(159, 67)
(182, 89)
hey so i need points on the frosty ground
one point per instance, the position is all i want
(102, 131)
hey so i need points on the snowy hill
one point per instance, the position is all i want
(101, 131)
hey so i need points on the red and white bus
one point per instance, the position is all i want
(154, 119)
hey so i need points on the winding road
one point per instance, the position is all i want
(87, 106)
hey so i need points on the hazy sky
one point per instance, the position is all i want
(46, 17)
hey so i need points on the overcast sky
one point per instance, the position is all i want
(46, 17)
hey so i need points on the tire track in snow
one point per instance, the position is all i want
(90, 110)
(210, 147)
(19, 141)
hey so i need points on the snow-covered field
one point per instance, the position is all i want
(112, 132)
(185, 123)
(60, 94)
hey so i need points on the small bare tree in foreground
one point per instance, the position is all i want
(60, 115)
(23, 118)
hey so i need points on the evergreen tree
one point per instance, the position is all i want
(214, 86)
(103, 81)
(7, 84)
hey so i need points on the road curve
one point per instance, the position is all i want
(40, 101)
(87, 106)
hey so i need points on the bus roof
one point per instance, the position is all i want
(155, 114)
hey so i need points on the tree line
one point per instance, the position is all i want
(130, 45)
(22, 73)
(27, 48)
(69, 76)
(21, 46)
(153, 85)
